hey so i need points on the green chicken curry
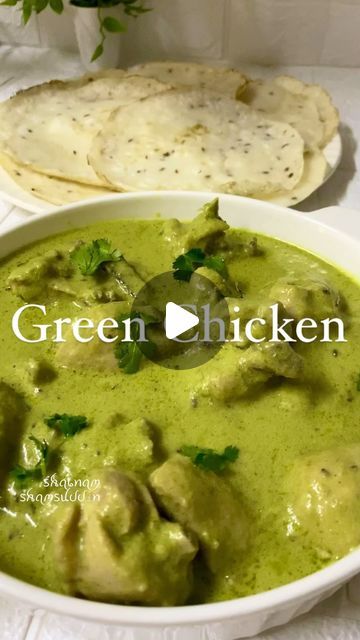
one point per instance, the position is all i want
(125, 481)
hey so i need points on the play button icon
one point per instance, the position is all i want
(178, 320)
(183, 320)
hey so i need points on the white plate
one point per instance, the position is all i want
(332, 153)
(11, 192)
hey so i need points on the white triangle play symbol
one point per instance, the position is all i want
(178, 320)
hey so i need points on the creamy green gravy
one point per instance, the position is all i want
(271, 430)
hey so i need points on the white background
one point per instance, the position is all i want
(292, 32)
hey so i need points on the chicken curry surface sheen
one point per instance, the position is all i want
(128, 482)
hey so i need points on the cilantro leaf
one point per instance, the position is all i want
(42, 448)
(21, 474)
(89, 257)
(209, 459)
(188, 260)
(67, 424)
(185, 264)
(129, 354)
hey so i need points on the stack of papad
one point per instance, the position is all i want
(168, 125)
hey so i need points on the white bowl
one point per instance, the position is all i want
(242, 617)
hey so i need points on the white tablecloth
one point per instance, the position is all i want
(339, 617)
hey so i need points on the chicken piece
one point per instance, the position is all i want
(224, 380)
(264, 311)
(245, 309)
(323, 500)
(216, 279)
(38, 279)
(206, 228)
(275, 358)
(95, 354)
(250, 309)
(237, 247)
(118, 548)
(203, 232)
(126, 277)
(307, 299)
(53, 276)
(234, 374)
(132, 446)
(113, 282)
(12, 415)
(205, 504)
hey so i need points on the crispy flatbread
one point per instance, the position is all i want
(198, 76)
(308, 108)
(50, 128)
(52, 190)
(196, 140)
(315, 171)
(329, 114)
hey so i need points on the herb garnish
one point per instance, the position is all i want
(129, 354)
(187, 263)
(89, 257)
(66, 424)
(21, 474)
(209, 459)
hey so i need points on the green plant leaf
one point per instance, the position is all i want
(42, 448)
(89, 257)
(40, 5)
(67, 424)
(98, 52)
(21, 474)
(128, 354)
(86, 4)
(9, 3)
(57, 6)
(113, 25)
(185, 264)
(133, 9)
(129, 357)
(109, 24)
(209, 459)
(27, 10)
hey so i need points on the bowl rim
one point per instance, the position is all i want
(307, 588)
(304, 589)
